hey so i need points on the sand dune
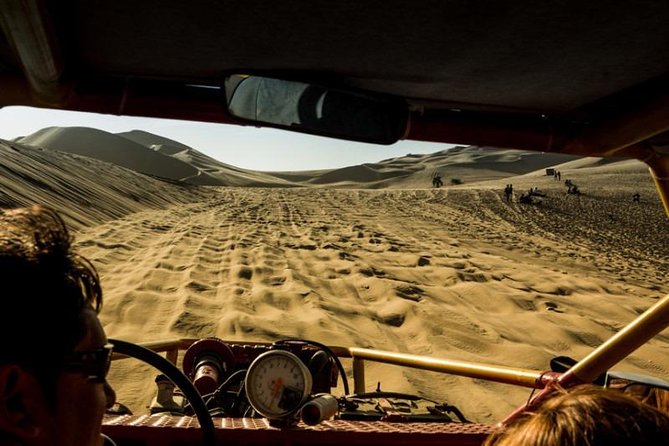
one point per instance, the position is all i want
(85, 190)
(149, 154)
(454, 273)
(461, 164)
(111, 148)
(162, 157)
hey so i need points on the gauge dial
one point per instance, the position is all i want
(277, 384)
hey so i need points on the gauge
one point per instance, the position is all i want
(277, 384)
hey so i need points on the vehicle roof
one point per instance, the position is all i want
(574, 76)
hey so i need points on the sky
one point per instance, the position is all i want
(245, 147)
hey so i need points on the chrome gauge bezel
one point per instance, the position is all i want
(281, 376)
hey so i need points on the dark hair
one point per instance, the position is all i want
(587, 415)
(44, 289)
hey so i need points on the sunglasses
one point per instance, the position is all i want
(647, 393)
(94, 364)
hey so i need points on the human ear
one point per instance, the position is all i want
(18, 390)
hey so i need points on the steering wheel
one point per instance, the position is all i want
(178, 378)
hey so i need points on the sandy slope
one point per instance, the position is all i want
(85, 190)
(453, 273)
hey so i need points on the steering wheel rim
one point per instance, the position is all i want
(178, 378)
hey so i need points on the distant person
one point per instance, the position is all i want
(587, 415)
(436, 181)
(508, 192)
(54, 355)
(559, 175)
(534, 191)
(572, 188)
(525, 198)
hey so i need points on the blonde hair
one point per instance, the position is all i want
(587, 416)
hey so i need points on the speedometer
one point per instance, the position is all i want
(277, 384)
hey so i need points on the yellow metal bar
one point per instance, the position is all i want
(171, 346)
(358, 375)
(634, 335)
(172, 355)
(508, 375)
(659, 170)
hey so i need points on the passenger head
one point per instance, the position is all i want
(52, 357)
(587, 416)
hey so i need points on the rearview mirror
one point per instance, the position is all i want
(315, 109)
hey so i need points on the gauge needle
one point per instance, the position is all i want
(277, 388)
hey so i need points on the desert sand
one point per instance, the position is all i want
(368, 256)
